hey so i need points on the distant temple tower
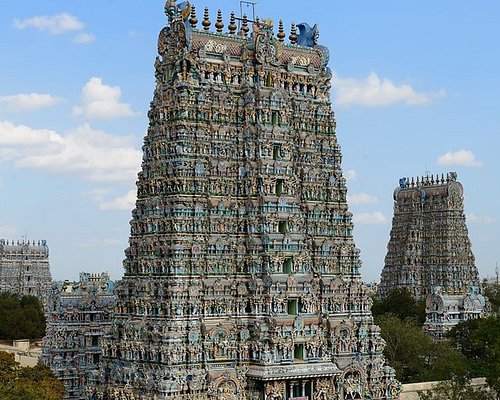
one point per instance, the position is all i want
(24, 268)
(242, 278)
(79, 314)
(429, 244)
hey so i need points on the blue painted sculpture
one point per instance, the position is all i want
(307, 36)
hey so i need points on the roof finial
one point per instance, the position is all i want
(232, 24)
(170, 8)
(206, 20)
(193, 20)
(244, 26)
(293, 34)
(281, 32)
(219, 24)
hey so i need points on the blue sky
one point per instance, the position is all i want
(416, 89)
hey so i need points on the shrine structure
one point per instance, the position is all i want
(444, 311)
(429, 245)
(24, 268)
(79, 314)
(242, 279)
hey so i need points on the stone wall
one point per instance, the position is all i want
(411, 390)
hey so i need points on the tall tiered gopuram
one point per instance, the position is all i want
(429, 244)
(24, 268)
(242, 278)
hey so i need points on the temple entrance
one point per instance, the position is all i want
(299, 390)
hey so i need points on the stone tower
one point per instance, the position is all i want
(78, 315)
(429, 244)
(242, 278)
(24, 268)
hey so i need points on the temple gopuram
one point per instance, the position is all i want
(429, 244)
(429, 253)
(24, 268)
(79, 315)
(242, 280)
(443, 311)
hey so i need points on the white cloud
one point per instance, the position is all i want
(28, 101)
(97, 195)
(84, 38)
(53, 24)
(361, 199)
(7, 232)
(375, 217)
(100, 101)
(463, 158)
(373, 91)
(350, 175)
(126, 202)
(480, 219)
(93, 155)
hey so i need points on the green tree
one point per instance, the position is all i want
(25, 383)
(479, 341)
(400, 303)
(414, 355)
(21, 318)
(493, 294)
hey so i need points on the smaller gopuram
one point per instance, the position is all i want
(444, 311)
(24, 268)
(79, 315)
(429, 244)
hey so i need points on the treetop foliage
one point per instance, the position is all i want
(401, 304)
(479, 342)
(21, 317)
(414, 355)
(25, 383)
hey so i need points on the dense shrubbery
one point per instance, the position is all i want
(479, 341)
(24, 383)
(21, 318)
